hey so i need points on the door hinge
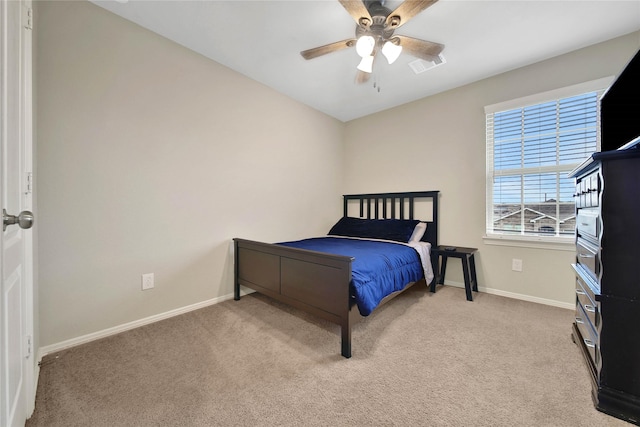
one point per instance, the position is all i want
(29, 21)
(29, 183)
(28, 347)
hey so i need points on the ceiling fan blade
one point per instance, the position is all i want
(357, 10)
(406, 11)
(362, 77)
(323, 50)
(420, 48)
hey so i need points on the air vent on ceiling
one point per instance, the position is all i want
(420, 65)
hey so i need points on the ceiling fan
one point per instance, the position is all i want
(375, 27)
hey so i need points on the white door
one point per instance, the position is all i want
(16, 259)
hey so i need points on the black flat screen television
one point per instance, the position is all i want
(620, 108)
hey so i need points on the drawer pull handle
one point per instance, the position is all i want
(590, 308)
(589, 343)
(580, 292)
(586, 256)
(579, 320)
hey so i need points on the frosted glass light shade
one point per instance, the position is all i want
(366, 64)
(391, 51)
(365, 45)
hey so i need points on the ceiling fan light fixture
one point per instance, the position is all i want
(366, 64)
(391, 51)
(365, 45)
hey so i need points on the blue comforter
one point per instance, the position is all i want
(379, 268)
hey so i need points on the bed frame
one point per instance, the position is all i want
(318, 282)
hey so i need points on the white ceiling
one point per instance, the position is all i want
(263, 40)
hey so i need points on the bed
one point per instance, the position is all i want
(323, 277)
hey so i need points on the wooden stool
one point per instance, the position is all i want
(441, 254)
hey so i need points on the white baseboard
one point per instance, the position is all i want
(514, 295)
(43, 351)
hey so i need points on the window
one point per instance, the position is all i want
(531, 147)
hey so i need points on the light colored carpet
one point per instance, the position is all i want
(422, 360)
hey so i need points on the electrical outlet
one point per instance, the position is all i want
(516, 264)
(147, 281)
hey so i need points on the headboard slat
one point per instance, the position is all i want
(410, 207)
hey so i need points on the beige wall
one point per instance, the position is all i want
(438, 143)
(152, 158)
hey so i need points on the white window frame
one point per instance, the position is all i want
(522, 240)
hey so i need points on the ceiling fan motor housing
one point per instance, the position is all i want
(378, 28)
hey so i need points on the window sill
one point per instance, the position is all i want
(535, 242)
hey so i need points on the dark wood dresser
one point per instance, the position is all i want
(607, 321)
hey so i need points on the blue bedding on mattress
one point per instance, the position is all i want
(379, 268)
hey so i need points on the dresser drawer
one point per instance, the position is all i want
(593, 190)
(588, 223)
(588, 256)
(586, 299)
(589, 335)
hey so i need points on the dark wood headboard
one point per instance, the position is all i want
(397, 206)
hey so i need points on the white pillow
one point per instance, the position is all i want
(418, 232)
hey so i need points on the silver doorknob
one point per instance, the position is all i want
(24, 219)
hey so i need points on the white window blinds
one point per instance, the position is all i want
(530, 150)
